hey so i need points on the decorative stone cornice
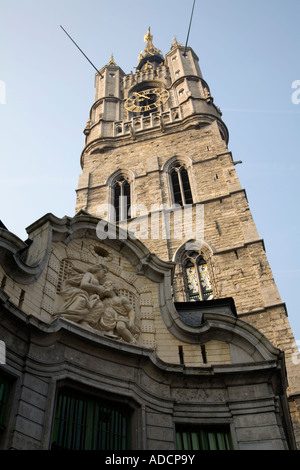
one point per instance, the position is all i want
(24, 262)
(215, 326)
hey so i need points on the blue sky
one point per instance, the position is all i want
(249, 55)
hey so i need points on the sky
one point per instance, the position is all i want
(249, 56)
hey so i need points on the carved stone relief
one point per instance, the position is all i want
(91, 284)
(90, 299)
(114, 301)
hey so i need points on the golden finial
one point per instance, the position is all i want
(148, 37)
(175, 43)
(112, 61)
(150, 49)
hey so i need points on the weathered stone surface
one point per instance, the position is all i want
(225, 369)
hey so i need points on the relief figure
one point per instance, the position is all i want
(118, 316)
(81, 295)
(88, 299)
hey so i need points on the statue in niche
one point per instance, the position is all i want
(92, 301)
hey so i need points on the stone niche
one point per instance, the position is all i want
(92, 285)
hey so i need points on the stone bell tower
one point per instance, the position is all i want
(150, 319)
(156, 155)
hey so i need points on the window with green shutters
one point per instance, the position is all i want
(5, 390)
(84, 422)
(203, 438)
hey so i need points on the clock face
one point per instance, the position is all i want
(146, 100)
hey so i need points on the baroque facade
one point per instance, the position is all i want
(149, 320)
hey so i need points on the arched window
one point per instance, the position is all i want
(181, 187)
(197, 277)
(121, 198)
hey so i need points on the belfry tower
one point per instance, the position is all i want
(150, 320)
(155, 139)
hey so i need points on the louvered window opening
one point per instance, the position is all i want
(121, 199)
(203, 438)
(87, 423)
(181, 185)
(5, 392)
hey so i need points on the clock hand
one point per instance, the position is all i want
(144, 97)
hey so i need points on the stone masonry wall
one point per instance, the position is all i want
(237, 263)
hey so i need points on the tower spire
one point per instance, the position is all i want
(150, 53)
(150, 49)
